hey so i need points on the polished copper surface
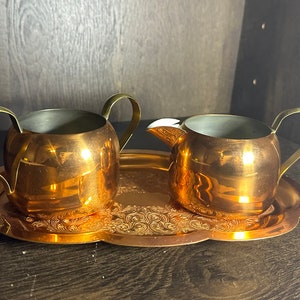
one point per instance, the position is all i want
(64, 162)
(224, 165)
(143, 214)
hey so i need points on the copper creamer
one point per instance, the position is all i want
(224, 165)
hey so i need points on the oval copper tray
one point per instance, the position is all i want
(142, 214)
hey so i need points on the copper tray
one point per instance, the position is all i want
(142, 214)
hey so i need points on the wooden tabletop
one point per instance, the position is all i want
(261, 269)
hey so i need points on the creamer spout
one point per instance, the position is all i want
(166, 129)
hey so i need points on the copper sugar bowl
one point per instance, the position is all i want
(64, 162)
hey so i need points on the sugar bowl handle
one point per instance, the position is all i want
(135, 119)
(13, 118)
(10, 187)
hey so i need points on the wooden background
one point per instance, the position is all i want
(177, 58)
(267, 78)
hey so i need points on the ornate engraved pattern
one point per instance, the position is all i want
(142, 220)
(156, 220)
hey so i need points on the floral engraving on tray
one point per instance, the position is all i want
(61, 224)
(141, 220)
(156, 220)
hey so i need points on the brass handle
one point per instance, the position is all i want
(136, 115)
(9, 189)
(275, 125)
(13, 118)
(289, 162)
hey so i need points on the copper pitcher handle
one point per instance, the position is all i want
(135, 119)
(281, 116)
(275, 125)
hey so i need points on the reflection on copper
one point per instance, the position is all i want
(242, 235)
(53, 187)
(244, 199)
(86, 154)
(248, 158)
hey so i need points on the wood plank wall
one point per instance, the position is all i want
(267, 79)
(176, 57)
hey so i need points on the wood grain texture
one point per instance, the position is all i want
(4, 58)
(176, 57)
(267, 75)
